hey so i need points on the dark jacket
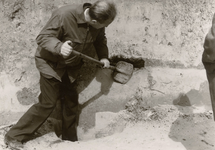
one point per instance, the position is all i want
(68, 23)
(208, 56)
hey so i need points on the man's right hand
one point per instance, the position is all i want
(66, 49)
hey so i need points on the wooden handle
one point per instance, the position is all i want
(90, 58)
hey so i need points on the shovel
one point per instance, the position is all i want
(122, 72)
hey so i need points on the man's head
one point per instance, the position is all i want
(101, 14)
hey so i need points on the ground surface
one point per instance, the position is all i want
(163, 127)
(170, 111)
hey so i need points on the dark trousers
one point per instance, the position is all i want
(51, 92)
(210, 71)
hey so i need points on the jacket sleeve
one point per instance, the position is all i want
(49, 37)
(101, 45)
(209, 44)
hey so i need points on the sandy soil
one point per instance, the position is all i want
(163, 127)
(182, 123)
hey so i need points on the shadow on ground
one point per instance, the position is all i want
(192, 129)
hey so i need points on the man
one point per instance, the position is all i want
(72, 27)
(208, 59)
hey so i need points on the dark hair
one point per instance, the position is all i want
(102, 11)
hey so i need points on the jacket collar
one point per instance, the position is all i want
(79, 15)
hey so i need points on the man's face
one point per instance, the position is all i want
(98, 25)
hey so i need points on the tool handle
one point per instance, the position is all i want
(90, 58)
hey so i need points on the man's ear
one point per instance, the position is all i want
(94, 21)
